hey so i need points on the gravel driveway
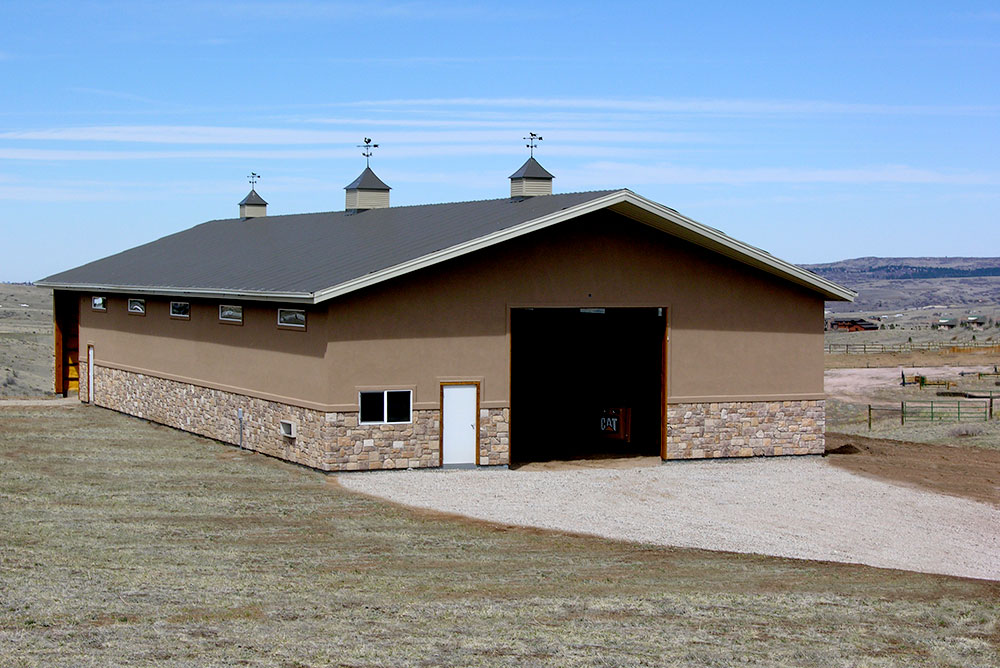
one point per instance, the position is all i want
(799, 507)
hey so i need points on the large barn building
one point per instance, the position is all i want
(529, 327)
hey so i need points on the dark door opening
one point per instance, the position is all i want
(66, 315)
(586, 382)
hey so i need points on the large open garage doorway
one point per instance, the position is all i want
(587, 382)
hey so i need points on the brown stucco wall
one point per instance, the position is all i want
(736, 333)
(257, 358)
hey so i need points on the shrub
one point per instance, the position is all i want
(973, 429)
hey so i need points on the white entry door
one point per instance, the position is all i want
(459, 424)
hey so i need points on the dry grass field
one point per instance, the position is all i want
(126, 543)
(25, 340)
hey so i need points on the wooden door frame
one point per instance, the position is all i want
(663, 383)
(90, 373)
(58, 381)
(478, 385)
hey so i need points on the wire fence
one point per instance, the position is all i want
(970, 410)
(927, 346)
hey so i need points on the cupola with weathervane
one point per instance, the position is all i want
(253, 205)
(367, 191)
(532, 179)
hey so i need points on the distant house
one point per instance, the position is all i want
(946, 323)
(466, 333)
(975, 322)
(851, 325)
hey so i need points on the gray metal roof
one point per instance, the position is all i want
(253, 198)
(312, 257)
(367, 181)
(305, 253)
(531, 170)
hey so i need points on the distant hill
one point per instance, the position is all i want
(897, 283)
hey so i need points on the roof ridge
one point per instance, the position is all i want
(415, 206)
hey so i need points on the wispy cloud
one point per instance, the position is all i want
(684, 106)
(335, 11)
(404, 152)
(990, 16)
(121, 95)
(209, 135)
(635, 173)
(962, 43)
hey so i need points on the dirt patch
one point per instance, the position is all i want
(970, 473)
(867, 385)
(590, 463)
(919, 358)
(843, 450)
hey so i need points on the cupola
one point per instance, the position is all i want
(532, 179)
(253, 205)
(367, 191)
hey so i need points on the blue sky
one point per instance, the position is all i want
(817, 131)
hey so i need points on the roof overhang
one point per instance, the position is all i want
(173, 291)
(624, 202)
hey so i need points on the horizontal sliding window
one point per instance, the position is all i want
(231, 313)
(386, 406)
(290, 317)
(99, 303)
(180, 310)
(137, 306)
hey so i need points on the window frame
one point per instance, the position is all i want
(385, 406)
(231, 321)
(285, 325)
(140, 301)
(180, 317)
(104, 303)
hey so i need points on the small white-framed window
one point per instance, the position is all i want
(292, 317)
(137, 306)
(180, 310)
(386, 407)
(99, 303)
(231, 313)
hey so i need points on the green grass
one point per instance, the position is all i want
(125, 543)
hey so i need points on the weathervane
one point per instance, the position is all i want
(368, 146)
(532, 144)
(253, 178)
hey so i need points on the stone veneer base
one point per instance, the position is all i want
(745, 429)
(329, 441)
(334, 441)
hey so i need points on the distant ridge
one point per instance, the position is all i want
(896, 283)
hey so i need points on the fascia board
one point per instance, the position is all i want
(247, 295)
